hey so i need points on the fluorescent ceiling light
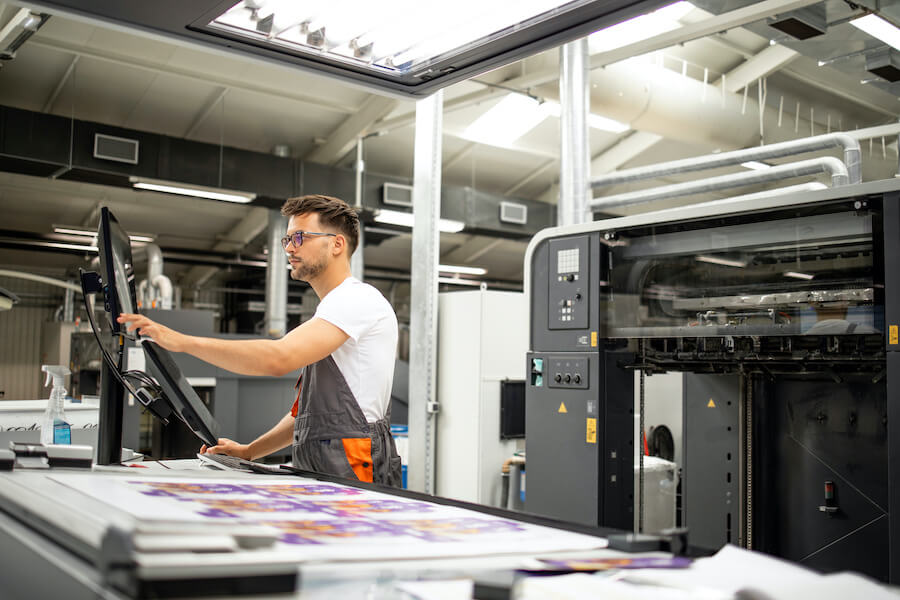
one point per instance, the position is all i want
(755, 165)
(594, 121)
(21, 21)
(797, 275)
(197, 191)
(391, 39)
(639, 28)
(405, 219)
(725, 262)
(508, 120)
(91, 234)
(461, 270)
(517, 114)
(878, 28)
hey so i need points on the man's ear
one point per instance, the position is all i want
(340, 244)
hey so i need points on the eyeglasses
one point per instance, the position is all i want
(297, 238)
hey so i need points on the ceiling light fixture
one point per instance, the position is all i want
(405, 219)
(725, 262)
(639, 28)
(67, 230)
(461, 270)
(196, 191)
(797, 275)
(878, 28)
(594, 121)
(508, 120)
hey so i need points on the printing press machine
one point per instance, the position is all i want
(782, 315)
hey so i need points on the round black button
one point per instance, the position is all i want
(558, 378)
(365, 465)
(568, 378)
(577, 378)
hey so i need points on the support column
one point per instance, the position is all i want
(423, 296)
(357, 261)
(575, 154)
(276, 278)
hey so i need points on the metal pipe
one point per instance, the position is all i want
(852, 158)
(826, 164)
(276, 278)
(40, 278)
(574, 156)
(357, 260)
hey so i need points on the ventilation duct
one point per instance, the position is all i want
(803, 23)
(885, 63)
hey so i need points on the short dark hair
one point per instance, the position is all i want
(333, 212)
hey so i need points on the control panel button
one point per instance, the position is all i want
(568, 378)
(577, 378)
(558, 377)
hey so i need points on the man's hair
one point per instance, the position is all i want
(333, 212)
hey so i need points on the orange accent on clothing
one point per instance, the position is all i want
(296, 407)
(359, 455)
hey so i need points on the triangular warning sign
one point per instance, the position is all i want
(562, 407)
(710, 404)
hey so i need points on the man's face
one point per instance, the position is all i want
(312, 258)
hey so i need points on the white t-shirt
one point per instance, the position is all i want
(366, 359)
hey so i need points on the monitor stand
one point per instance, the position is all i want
(112, 402)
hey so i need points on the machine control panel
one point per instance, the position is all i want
(567, 373)
(568, 272)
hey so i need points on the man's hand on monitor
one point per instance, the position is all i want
(162, 335)
(229, 447)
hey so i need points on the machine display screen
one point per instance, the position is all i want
(763, 274)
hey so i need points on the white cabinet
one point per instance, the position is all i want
(481, 342)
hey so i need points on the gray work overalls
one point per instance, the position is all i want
(331, 434)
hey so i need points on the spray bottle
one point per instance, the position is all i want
(54, 428)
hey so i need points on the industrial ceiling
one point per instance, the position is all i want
(692, 89)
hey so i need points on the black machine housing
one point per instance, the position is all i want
(782, 315)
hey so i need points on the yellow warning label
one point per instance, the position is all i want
(591, 436)
(895, 338)
(710, 404)
(562, 407)
(593, 339)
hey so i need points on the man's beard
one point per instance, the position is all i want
(305, 270)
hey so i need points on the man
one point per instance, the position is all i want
(340, 420)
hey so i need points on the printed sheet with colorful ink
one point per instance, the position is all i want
(321, 521)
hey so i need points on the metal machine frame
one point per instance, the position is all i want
(792, 411)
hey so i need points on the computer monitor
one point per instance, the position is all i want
(116, 267)
(117, 275)
(182, 398)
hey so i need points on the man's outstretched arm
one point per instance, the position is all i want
(280, 436)
(310, 342)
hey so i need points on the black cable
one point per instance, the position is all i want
(122, 378)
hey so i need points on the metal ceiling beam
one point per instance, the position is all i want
(205, 111)
(59, 86)
(194, 75)
(530, 177)
(623, 151)
(235, 240)
(464, 152)
(701, 29)
(360, 121)
(761, 65)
